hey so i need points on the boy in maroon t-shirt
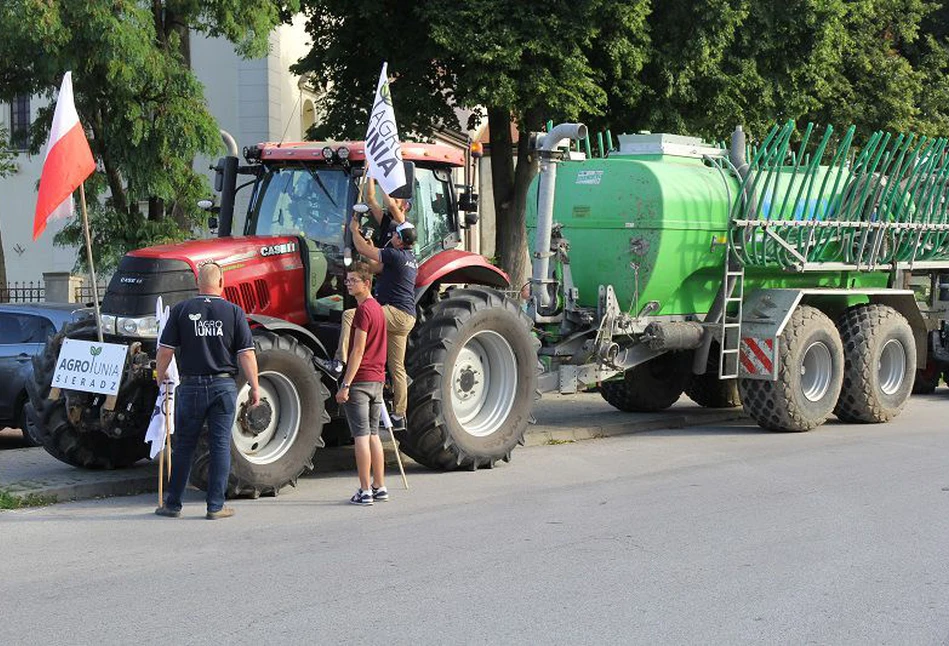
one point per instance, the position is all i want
(360, 391)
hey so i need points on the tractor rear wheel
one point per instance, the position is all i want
(880, 361)
(809, 376)
(76, 443)
(274, 446)
(473, 365)
(651, 386)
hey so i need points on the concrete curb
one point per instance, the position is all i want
(41, 475)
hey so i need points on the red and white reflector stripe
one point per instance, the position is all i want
(757, 355)
(67, 164)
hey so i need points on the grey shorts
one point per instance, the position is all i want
(364, 408)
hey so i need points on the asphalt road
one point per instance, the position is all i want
(718, 535)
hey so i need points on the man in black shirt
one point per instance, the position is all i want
(214, 338)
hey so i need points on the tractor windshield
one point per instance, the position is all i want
(311, 201)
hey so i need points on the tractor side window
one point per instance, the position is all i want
(307, 201)
(432, 211)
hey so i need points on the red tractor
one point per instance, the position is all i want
(471, 359)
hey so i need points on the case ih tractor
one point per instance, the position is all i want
(471, 359)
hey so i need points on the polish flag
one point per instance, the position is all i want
(67, 164)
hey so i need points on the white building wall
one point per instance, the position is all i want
(256, 100)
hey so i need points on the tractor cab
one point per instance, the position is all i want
(308, 190)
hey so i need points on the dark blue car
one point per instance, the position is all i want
(24, 329)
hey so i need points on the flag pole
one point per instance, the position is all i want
(92, 267)
(167, 447)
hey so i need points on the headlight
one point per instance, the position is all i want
(107, 323)
(343, 153)
(144, 326)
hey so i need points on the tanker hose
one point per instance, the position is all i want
(673, 335)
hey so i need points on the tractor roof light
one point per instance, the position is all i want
(252, 154)
(328, 154)
(477, 149)
(342, 153)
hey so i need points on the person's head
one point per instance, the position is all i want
(358, 279)
(210, 278)
(404, 235)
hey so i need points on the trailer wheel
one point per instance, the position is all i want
(879, 362)
(654, 385)
(809, 377)
(473, 370)
(273, 448)
(708, 390)
(75, 444)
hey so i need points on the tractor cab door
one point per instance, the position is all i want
(434, 211)
(311, 202)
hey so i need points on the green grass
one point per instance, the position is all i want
(10, 500)
(552, 442)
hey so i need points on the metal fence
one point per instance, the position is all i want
(23, 292)
(83, 293)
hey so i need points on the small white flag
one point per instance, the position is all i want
(383, 150)
(156, 426)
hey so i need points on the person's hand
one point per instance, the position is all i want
(354, 226)
(254, 398)
(342, 395)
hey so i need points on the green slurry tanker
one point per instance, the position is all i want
(805, 278)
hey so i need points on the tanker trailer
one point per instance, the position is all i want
(780, 278)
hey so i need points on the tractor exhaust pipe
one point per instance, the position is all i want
(540, 280)
(225, 181)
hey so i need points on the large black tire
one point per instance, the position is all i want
(809, 376)
(879, 364)
(78, 444)
(473, 365)
(708, 390)
(283, 450)
(651, 386)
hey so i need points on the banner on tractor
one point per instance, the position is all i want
(383, 149)
(90, 367)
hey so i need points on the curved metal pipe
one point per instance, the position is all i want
(230, 143)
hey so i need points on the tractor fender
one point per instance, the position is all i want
(274, 324)
(461, 267)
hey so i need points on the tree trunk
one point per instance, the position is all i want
(510, 184)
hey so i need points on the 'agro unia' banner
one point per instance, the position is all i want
(383, 150)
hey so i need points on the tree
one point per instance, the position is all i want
(7, 167)
(143, 108)
(521, 66)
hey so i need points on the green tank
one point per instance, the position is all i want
(654, 220)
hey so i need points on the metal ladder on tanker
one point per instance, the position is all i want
(733, 293)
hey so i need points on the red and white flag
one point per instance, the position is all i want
(67, 164)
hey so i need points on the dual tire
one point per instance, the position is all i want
(860, 370)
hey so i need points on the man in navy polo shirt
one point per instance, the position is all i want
(213, 337)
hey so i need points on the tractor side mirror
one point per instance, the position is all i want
(468, 201)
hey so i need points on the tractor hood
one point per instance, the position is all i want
(259, 271)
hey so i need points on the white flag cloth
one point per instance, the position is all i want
(156, 426)
(383, 150)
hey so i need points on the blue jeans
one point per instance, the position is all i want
(199, 400)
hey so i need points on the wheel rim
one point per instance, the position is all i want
(892, 368)
(273, 441)
(483, 383)
(816, 371)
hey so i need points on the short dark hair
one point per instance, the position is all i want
(361, 270)
(408, 236)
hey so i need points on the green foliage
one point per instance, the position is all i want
(7, 156)
(12, 500)
(143, 109)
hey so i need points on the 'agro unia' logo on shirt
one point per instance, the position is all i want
(206, 328)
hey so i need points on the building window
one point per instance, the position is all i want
(20, 122)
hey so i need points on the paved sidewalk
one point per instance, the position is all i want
(559, 420)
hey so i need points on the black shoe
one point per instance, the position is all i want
(167, 512)
(398, 423)
(332, 367)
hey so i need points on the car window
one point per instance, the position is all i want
(24, 328)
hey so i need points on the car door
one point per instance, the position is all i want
(21, 337)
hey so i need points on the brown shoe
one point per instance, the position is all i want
(224, 512)
(167, 513)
